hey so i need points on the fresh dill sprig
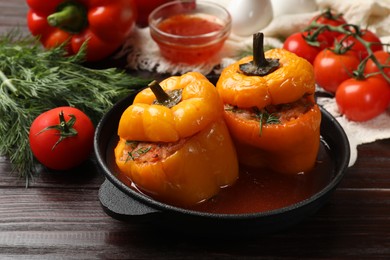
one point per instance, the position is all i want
(261, 115)
(265, 117)
(33, 80)
(137, 153)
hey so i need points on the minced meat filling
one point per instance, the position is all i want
(274, 114)
(152, 152)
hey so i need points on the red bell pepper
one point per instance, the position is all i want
(104, 24)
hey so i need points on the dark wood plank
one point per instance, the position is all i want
(84, 176)
(71, 220)
(372, 168)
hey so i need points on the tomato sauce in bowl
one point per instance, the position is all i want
(189, 33)
(190, 25)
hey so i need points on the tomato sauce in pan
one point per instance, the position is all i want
(260, 190)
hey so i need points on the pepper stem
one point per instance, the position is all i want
(158, 91)
(260, 66)
(70, 17)
(163, 98)
(258, 50)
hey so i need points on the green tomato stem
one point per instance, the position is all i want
(65, 128)
(70, 17)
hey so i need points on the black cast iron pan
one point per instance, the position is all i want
(124, 203)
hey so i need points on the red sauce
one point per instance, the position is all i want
(190, 50)
(188, 25)
(260, 190)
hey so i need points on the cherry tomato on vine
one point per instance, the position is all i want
(329, 18)
(331, 69)
(383, 58)
(298, 43)
(362, 100)
(357, 47)
(62, 138)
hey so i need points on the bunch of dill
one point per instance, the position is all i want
(33, 80)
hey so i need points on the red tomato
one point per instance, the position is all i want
(357, 47)
(46, 131)
(329, 18)
(144, 8)
(331, 69)
(362, 100)
(298, 44)
(383, 58)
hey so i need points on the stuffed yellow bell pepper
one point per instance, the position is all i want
(174, 144)
(270, 110)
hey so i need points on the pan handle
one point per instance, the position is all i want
(122, 207)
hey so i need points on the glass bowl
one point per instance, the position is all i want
(189, 32)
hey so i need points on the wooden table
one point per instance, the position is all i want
(59, 215)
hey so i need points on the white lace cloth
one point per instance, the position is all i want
(143, 53)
